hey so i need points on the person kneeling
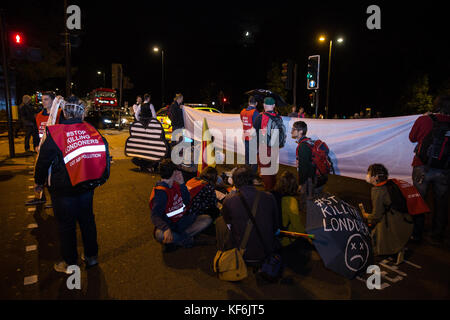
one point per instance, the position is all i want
(392, 228)
(168, 201)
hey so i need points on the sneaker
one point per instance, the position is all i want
(90, 261)
(35, 201)
(61, 267)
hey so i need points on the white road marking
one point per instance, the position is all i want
(30, 280)
(394, 268)
(412, 264)
(31, 248)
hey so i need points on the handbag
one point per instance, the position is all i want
(229, 264)
(272, 266)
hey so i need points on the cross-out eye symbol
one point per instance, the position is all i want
(353, 246)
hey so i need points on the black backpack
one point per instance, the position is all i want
(276, 122)
(434, 149)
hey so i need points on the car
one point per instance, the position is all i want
(107, 119)
(163, 116)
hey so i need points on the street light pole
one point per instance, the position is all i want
(328, 80)
(67, 45)
(12, 152)
(162, 77)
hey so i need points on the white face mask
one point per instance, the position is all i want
(368, 179)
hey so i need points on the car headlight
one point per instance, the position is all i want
(124, 120)
(107, 121)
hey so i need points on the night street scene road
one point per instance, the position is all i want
(224, 160)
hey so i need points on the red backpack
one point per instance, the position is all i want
(320, 156)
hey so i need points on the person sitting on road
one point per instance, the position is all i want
(168, 204)
(392, 228)
(203, 194)
(292, 211)
(231, 225)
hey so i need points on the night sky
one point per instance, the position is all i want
(205, 46)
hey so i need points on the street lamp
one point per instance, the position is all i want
(104, 81)
(339, 40)
(156, 50)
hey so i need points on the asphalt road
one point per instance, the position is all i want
(133, 266)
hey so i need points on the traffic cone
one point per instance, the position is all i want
(207, 151)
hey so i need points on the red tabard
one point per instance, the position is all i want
(41, 121)
(175, 208)
(414, 201)
(247, 122)
(83, 150)
(195, 186)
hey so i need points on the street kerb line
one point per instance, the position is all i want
(31, 248)
(30, 280)
(410, 263)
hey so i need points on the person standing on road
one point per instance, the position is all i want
(42, 117)
(176, 112)
(168, 204)
(432, 134)
(137, 108)
(248, 116)
(77, 156)
(147, 110)
(265, 125)
(27, 117)
(305, 166)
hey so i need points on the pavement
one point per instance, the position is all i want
(133, 265)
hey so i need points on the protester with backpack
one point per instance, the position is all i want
(393, 225)
(74, 158)
(312, 159)
(268, 126)
(431, 166)
(241, 208)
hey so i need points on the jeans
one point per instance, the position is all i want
(254, 166)
(31, 131)
(69, 209)
(185, 238)
(422, 178)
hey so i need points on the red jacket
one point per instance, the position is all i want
(421, 128)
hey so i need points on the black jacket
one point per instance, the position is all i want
(51, 155)
(27, 115)
(176, 116)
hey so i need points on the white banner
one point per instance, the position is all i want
(354, 143)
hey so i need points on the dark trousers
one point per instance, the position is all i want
(423, 178)
(31, 131)
(68, 211)
(254, 166)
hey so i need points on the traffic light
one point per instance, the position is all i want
(312, 76)
(287, 70)
(312, 99)
(17, 47)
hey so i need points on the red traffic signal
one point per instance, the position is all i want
(17, 38)
(224, 99)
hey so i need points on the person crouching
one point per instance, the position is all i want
(169, 199)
